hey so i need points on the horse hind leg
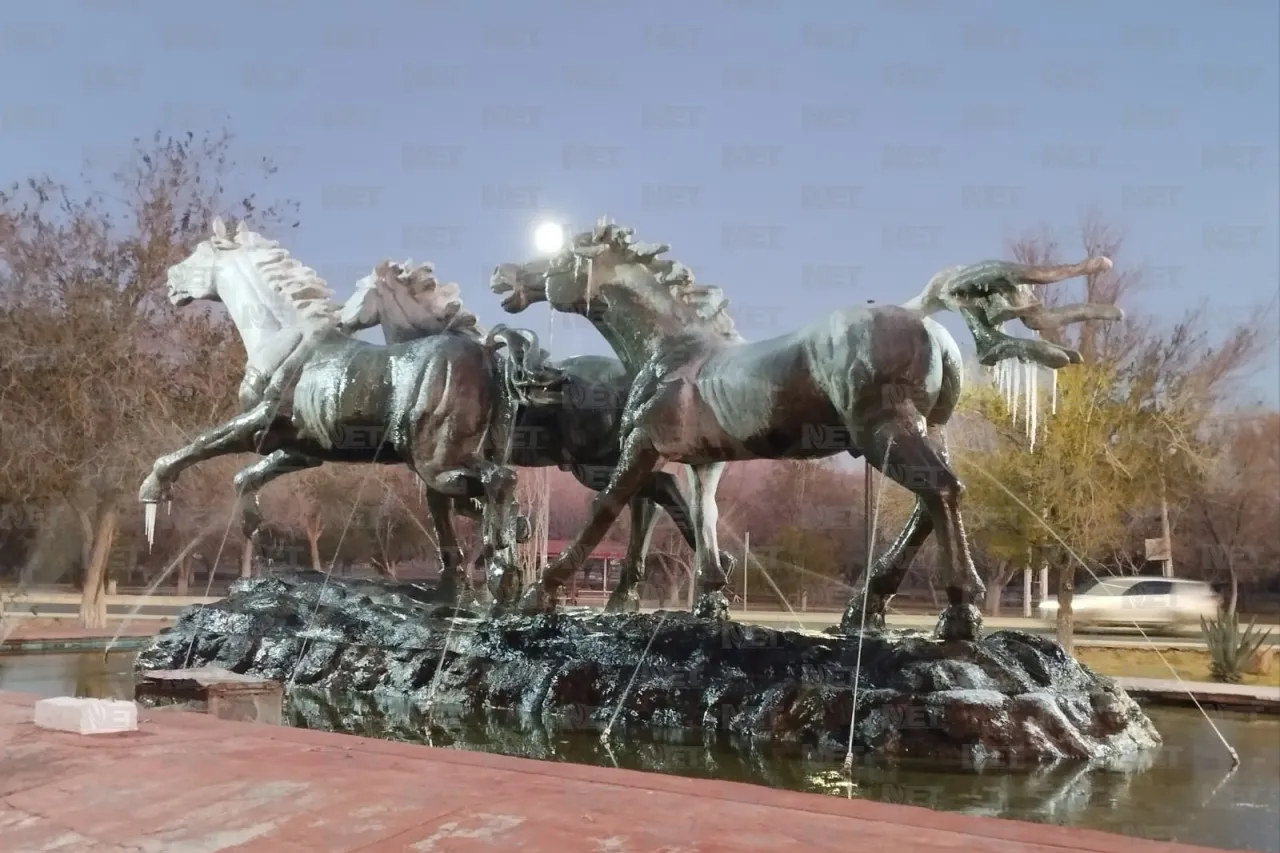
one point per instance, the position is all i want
(870, 602)
(626, 597)
(908, 456)
(664, 490)
(498, 528)
(453, 583)
(709, 569)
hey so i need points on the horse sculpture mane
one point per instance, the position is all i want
(300, 285)
(418, 282)
(698, 305)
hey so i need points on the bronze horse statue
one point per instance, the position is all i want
(876, 382)
(576, 432)
(442, 405)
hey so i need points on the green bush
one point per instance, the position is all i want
(1230, 648)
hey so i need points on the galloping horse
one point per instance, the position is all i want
(442, 405)
(410, 303)
(871, 381)
(578, 434)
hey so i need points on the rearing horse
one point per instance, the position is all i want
(442, 405)
(410, 303)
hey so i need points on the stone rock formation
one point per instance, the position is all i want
(1010, 699)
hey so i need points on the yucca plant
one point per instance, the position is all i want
(1230, 648)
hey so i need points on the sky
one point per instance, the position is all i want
(803, 155)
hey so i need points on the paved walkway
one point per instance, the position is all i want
(63, 635)
(187, 783)
(1244, 697)
(66, 629)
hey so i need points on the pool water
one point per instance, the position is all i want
(1184, 792)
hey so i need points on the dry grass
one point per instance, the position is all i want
(1190, 664)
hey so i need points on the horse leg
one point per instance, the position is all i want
(993, 345)
(250, 480)
(235, 436)
(907, 455)
(664, 490)
(474, 509)
(440, 507)
(644, 517)
(872, 595)
(708, 572)
(456, 485)
(637, 461)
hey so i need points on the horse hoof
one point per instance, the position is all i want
(711, 605)
(524, 530)
(153, 491)
(863, 615)
(537, 599)
(959, 622)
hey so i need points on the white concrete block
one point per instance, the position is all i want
(86, 716)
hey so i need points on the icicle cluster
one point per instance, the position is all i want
(1019, 384)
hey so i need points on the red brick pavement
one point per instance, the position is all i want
(193, 784)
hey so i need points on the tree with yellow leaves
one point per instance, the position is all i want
(1122, 431)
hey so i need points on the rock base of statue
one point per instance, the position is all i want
(1011, 699)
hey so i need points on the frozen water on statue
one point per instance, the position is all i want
(149, 520)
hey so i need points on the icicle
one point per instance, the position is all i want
(168, 508)
(1029, 383)
(1053, 394)
(1017, 389)
(1033, 404)
(1008, 385)
(149, 523)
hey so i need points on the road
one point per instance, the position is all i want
(166, 607)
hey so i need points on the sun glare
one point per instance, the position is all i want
(548, 238)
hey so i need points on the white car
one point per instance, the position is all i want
(1147, 601)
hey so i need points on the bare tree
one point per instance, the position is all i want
(98, 363)
(533, 494)
(328, 499)
(1235, 508)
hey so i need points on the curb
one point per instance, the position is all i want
(84, 644)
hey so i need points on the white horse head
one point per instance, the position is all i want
(408, 302)
(271, 297)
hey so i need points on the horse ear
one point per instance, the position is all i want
(219, 228)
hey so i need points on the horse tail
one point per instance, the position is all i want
(528, 375)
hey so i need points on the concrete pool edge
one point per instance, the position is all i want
(188, 778)
(74, 645)
(1244, 698)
